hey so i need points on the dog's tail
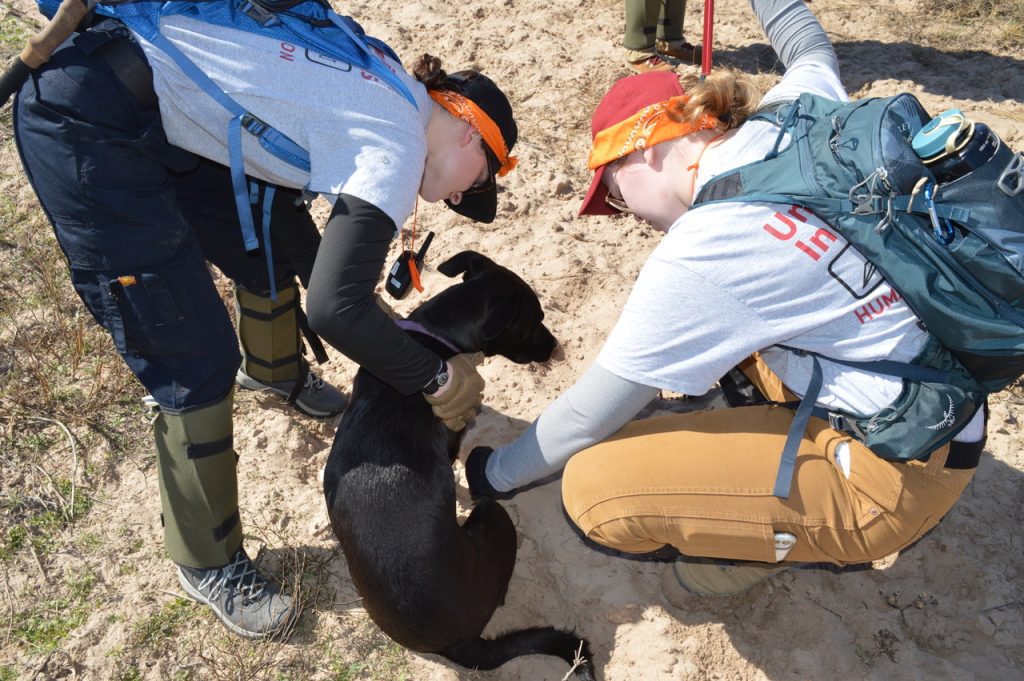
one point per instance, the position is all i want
(492, 653)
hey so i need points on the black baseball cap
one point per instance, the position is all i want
(481, 204)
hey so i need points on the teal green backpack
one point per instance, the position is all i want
(953, 250)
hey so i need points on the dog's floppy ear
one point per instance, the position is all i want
(501, 314)
(468, 262)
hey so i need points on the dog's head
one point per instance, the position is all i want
(492, 310)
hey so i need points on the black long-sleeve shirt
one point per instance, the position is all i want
(340, 304)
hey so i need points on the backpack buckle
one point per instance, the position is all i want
(843, 424)
(1011, 182)
(869, 205)
(254, 126)
(866, 197)
(259, 14)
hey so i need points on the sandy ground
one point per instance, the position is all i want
(950, 608)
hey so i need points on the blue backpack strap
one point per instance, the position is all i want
(298, 26)
(237, 112)
(787, 465)
(238, 182)
(379, 69)
(787, 123)
(268, 202)
(143, 18)
(911, 204)
(270, 139)
(808, 408)
(276, 142)
(729, 188)
(911, 372)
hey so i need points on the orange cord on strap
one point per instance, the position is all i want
(695, 166)
(414, 272)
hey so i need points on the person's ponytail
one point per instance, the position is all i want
(428, 71)
(726, 94)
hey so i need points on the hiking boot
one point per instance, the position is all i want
(679, 49)
(317, 398)
(710, 577)
(243, 599)
(642, 61)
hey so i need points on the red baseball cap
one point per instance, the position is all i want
(625, 98)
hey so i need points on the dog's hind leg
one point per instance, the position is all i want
(489, 518)
(493, 535)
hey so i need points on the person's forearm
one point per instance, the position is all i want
(599, 404)
(795, 33)
(341, 304)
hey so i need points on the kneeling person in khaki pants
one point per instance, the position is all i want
(725, 283)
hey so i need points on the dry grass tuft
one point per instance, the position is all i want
(1002, 20)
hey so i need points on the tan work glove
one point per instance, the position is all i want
(455, 402)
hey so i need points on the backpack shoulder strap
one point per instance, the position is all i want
(144, 19)
(784, 172)
(807, 405)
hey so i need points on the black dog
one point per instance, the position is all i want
(428, 583)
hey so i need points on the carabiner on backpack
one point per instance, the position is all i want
(941, 227)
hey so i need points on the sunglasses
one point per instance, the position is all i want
(615, 202)
(481, 187)
(618, 204)
(487, 185)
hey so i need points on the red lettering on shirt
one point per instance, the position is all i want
(784, 229)
(383, 58)
(368, 76)
(892, 297)
(865, 313)
(287, 52)
(782, 236)
(818, 238)
(795, 212)
(863, 316)
(808, 250)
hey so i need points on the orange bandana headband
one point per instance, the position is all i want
(645, 128)
(466, 109)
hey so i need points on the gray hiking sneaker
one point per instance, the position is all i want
(317, 398)
(709, 577)
(243, 599)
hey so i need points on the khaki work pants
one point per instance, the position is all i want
(702, 482)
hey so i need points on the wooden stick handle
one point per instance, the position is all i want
(40, 46)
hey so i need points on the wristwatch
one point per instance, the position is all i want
(439, 379)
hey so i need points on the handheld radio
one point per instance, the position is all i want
(399, 277)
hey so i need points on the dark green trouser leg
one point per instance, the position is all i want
(641, 24)
(646, 19)
(670, 20)
(199, 485)
(269, 333)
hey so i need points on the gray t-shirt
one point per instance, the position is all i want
(363, 138)
(729, 258)
(727, 281)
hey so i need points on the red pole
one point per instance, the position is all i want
(705, 58)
